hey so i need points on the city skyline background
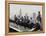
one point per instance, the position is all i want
(15, 9)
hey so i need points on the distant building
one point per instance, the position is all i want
(34, 17)
(20, 13)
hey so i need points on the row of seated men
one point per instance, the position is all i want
(27, 23)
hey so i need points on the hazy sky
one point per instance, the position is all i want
(29, 9)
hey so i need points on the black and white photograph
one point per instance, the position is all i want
(25, 18)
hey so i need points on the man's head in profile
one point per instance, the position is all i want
(38, 12)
